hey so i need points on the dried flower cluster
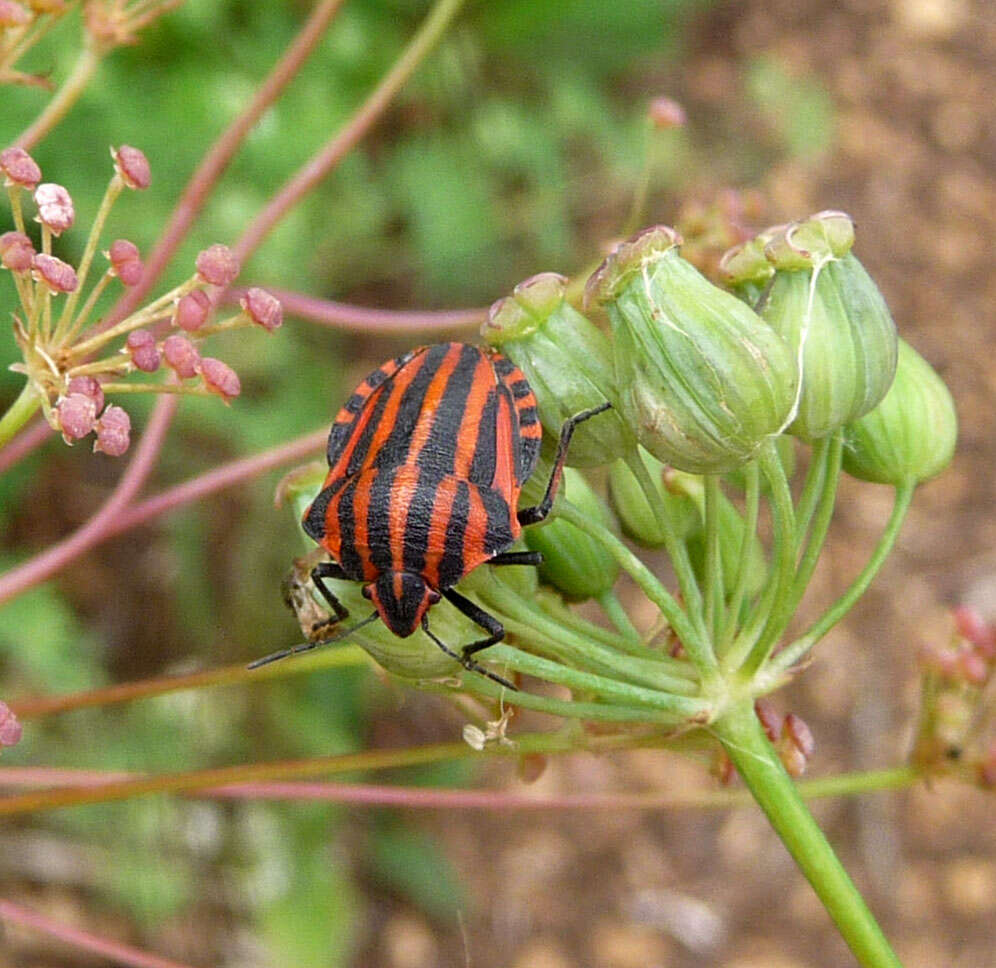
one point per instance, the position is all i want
(22, 24)
(957, 728)
(65, 355)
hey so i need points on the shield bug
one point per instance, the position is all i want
(426, 462)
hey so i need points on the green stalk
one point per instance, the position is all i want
(744, 741)
(698, 648)
(793, 652)
(714, 591)
(813, 485)
(824, 512)
(618, 616)
(680, 708)
(19, 413)
(545, 634)
(676, 549)
(557, 610)
(783, 558)
(752, 474)
(782, 562)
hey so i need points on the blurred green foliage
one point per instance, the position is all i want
(513, 150)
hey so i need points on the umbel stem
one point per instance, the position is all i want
(743, 739)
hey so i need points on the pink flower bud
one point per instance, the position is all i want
(19, 168)
(263, 308)
(769, 719)
(220, 378)
(192, 311)
(217, 265)
(89, 386)
(10, 728)
(968, 622)
(798, 731)
(132, 166)
(16, 251)
(55, 207)
(125, 261)
(113, 432)
(665, 113)
(59, 276)
(13, 14)
(971, 667)
(76, 414)
(141, 345)
(181, 356)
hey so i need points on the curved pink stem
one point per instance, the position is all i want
(29, 439)
(120, 954)
(221, 153)
(119, 515)
(46, 564)
(384, 322)
(340, 144)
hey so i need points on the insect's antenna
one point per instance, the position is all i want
(308, 646)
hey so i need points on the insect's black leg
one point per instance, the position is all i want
(329, 569)
(535, 514)
(464, 656)
(476, 614)
(534, 558)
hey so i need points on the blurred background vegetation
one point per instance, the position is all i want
(515, 149)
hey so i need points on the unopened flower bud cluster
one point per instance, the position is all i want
(69, 356)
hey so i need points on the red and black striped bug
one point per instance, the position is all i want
(426, 462)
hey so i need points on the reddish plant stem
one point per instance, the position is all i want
(430, 798)
(216, 160)
(385, 322)
(119, 515)
(116, 952)
(337, 147)
(216, 480)
(38, 706)
(29, 439)
(46, 564)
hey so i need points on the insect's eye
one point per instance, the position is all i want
(365, 592)
(434, 596)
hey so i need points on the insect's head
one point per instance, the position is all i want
(401, 599)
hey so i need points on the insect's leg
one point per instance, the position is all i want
(534, 558)
(329, 569)
(476, 614)
(465, 655)
(540, 511)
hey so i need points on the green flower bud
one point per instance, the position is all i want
(702, 379)
(575, 564)
(786, 454)
(568, 363)
(827, 307)
(745, 268)
(911, 434)
(634, 511)
(731, 535)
